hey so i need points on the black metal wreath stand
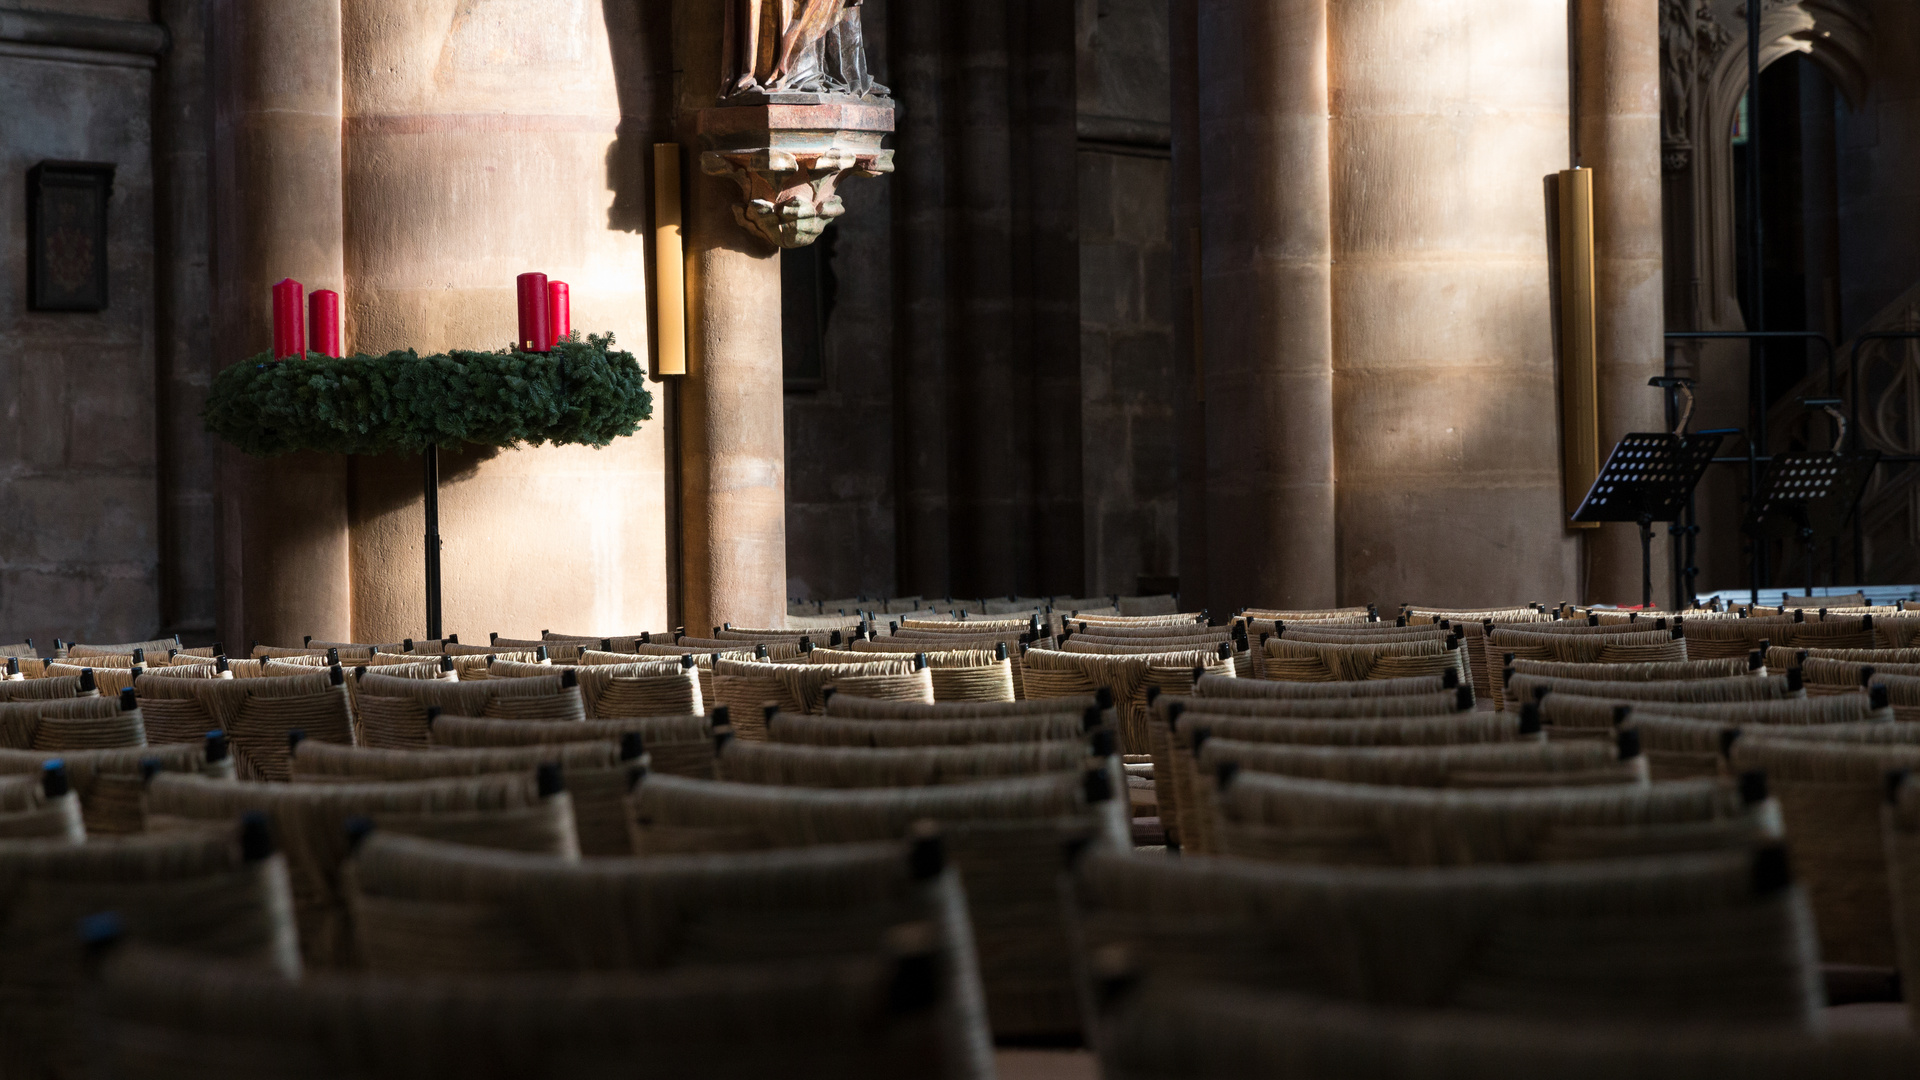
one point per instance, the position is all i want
(432, 491)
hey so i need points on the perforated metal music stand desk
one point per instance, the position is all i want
(1648, 478)
(1809, 497)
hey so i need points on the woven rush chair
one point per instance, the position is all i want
(1826, 675)
(1009, 839)
(1290, 819)
(76, 725)
(1721, 937)
(1200, 1031)
(1484, 765)
(597, 775)
(1488, 765)
(637, 688)
(20, 721)
(1200, 760)
(108, 680)
(1787, 687)
(1736, 637)
(257, 715)
(955, 687)
(309, 823)
(393, 712)
(1267, 688)
(1457, 730)
(801, 730)
(1786, 656)
(775, 650)
(702, 659)
(1127, 678)
(620, 643)
(1901, 829)
(1473, 628)
(41, 805)
(1567, 714)
(79, 684)
(801, 765)
(208, 891)
(157, 646)
(956, 674)
(424, 907)
(1831, 795)
(914, 686)
(1670, 671)
(1314, 661)
(1172, 755)
(677, 745)
(853, 707)
(323, 762)
(168, 1018)
(748, 686)
(1638, 647)
(111, 784)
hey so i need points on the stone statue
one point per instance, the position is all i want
(805, 46)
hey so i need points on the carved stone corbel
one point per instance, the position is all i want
(788, 157)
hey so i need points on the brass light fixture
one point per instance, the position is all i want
(1579, 342)
(669, 264)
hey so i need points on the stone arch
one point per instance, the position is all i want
(1832, 33)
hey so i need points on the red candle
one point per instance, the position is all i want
(289, 321)
(559, 311)
(323, 322)
(536, 334)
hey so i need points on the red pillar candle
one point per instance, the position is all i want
(323, 322)
(536, 335)
(289, 320)
(559, 311)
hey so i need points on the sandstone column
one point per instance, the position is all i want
(277, 215)
(1266, 278)
(1448, 115)
(479, 148)
(732, 427)
(1618, 111)
(1190, 412)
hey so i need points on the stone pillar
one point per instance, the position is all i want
(1190, 412)
(1265, 327)
(476, 150)
(732, 435)
(189, 458)
(922, 331)
(1447, 116)
(1618, 115)
(1046, 279)
(990, 395)
(277, 215)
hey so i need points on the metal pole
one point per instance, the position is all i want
(432, 492)
(1757, 313)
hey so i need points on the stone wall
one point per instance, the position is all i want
(1128, 394)
(79, 513)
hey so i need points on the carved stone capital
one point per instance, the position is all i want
(788, 156)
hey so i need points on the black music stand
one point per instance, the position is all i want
(1648, 478)
(1809, 497)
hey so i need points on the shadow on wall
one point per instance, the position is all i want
(642, 54)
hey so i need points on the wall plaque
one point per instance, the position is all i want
(67, 235)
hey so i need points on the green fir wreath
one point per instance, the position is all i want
(582, 392)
